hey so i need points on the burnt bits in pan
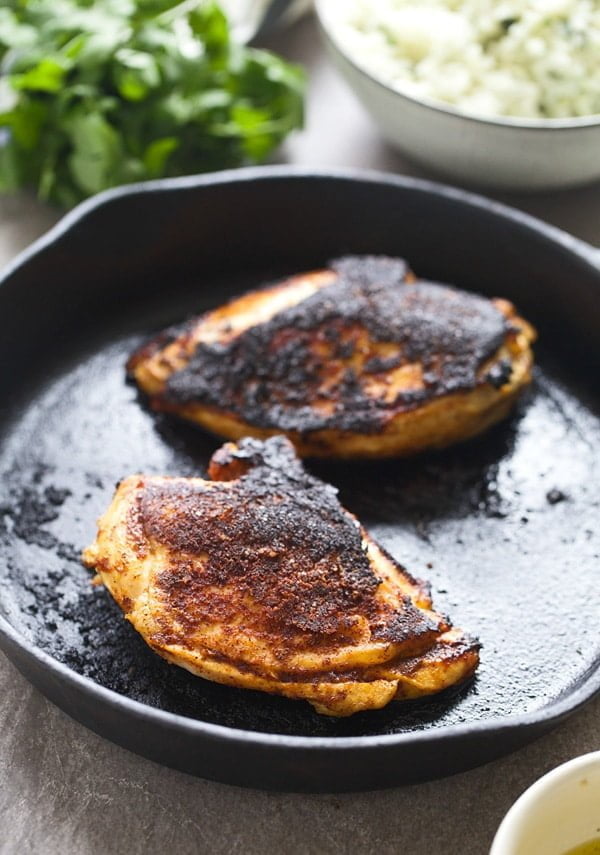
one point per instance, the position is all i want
(460, 511)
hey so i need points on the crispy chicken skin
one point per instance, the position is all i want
(358, 360)
(258, 578)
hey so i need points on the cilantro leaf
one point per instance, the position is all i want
(95, 94)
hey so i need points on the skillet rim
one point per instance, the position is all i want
(12, 640)
(586, 252)
(546, 715)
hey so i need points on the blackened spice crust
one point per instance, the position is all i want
(274, 547)
(278, 374)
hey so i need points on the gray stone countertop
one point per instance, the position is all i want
(65, 790)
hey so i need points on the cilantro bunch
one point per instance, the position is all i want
(95, 93)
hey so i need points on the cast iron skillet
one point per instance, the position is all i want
(504, 526)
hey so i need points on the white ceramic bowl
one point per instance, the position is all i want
(558, 812)
(517, 154)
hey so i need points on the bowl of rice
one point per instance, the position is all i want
(499, 93)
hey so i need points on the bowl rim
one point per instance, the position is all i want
(28, 657)
(509, 122)
(516, 817)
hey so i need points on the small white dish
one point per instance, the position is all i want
(508, 153)
(557, 813)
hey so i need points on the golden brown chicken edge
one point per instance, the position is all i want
(434, 424)
(450, 661)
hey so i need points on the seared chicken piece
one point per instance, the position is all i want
(260, 579)
(360, 360)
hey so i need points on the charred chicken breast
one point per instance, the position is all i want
(258, 578)
(359, 360)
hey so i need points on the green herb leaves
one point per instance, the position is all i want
(95, 94)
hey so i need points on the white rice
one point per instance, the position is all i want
(534, 58)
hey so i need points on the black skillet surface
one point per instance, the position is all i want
(504, 526)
